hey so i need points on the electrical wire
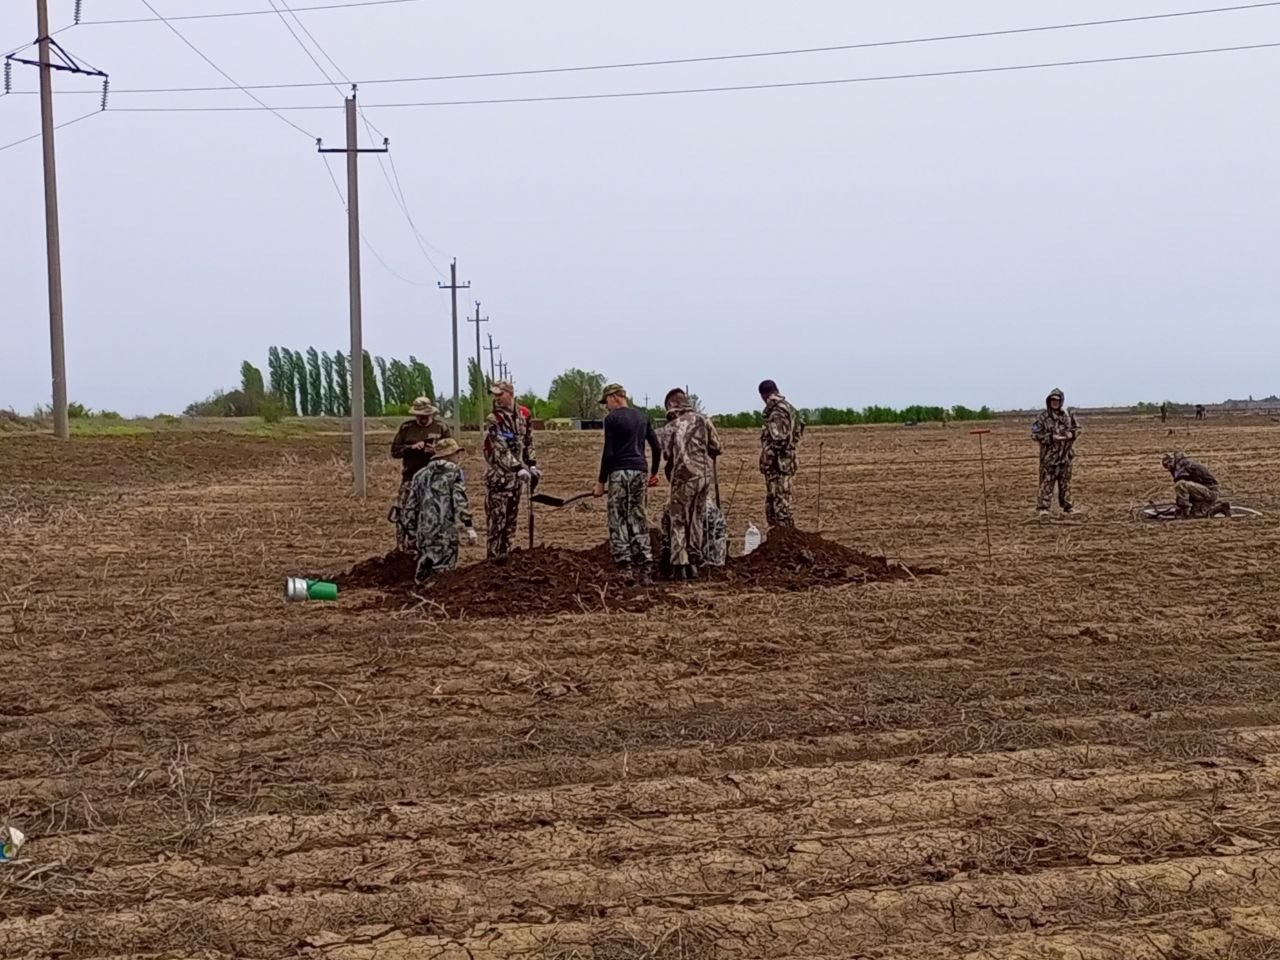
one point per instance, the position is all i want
(730, 56)
(244, 13)
(305, 49)
(880, 78)
(201, 54)
(363, 239)
(368, 124)
(56, 126)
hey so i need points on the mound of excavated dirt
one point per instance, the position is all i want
(792, 559)
(548, 580)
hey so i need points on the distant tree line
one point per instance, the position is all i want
(316, 384)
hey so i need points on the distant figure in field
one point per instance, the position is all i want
(1199, 411)
(1164, 412)
(1195, 488)
(437, 508)
(779, 439)
(1055, 430)
(414, 444)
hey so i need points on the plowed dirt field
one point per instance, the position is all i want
(1073, 752)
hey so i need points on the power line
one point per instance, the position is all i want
(365, 240)
(397, 196)
(305, 49)
(732, 56)
(932, 74)
(59, 126)
(202, 56)
(244, 13)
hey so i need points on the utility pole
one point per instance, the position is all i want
(489, 349)
(53, 248)
(353, 151)
(453, 287)
(479, 366)
(46, 45)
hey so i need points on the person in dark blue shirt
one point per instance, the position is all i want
(626, 477)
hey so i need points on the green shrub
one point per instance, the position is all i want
(78, 411)
(108, 415)
(270, 409)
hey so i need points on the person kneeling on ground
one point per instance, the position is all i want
(1195, 488)
(624, 477)
(437, 508)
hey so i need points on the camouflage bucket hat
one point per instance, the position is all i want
(446, 448)
(500, 387)
(423, 407)
(612, 390)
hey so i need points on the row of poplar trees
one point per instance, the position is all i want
(315, 384)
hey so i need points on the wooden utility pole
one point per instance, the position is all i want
(489, 349)
(477, 320)
(353, 151)
(453, 287)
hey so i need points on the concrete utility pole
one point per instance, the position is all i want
(479, 367)
(489, 349)
(453, 287)
(53, 248)
(353, 151)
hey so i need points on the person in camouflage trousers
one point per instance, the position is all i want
(509, 463)
(779, 438)
(437, 506)
(413, 446)
(691, 446)
(626, 477)
(1194, 487)
(715, 536)
(1055, 430)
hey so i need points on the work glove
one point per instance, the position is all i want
(537, 478)
(471, 536)
(523, 475)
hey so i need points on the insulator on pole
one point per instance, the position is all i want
(8, 75)
(79, 4)
(106, 87)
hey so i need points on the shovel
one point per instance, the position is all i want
(558, 502)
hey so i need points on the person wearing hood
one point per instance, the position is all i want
(691, 446)
(779, 437)
(413, 445)
(1194, 487)
(437, 508)
(1055, 430)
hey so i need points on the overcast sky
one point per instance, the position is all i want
(1108, 229)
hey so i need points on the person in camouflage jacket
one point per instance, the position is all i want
(437, 507)
(1194, 487)
(690, 447)
(779, 437)
(509, 463)
(1055, 430)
